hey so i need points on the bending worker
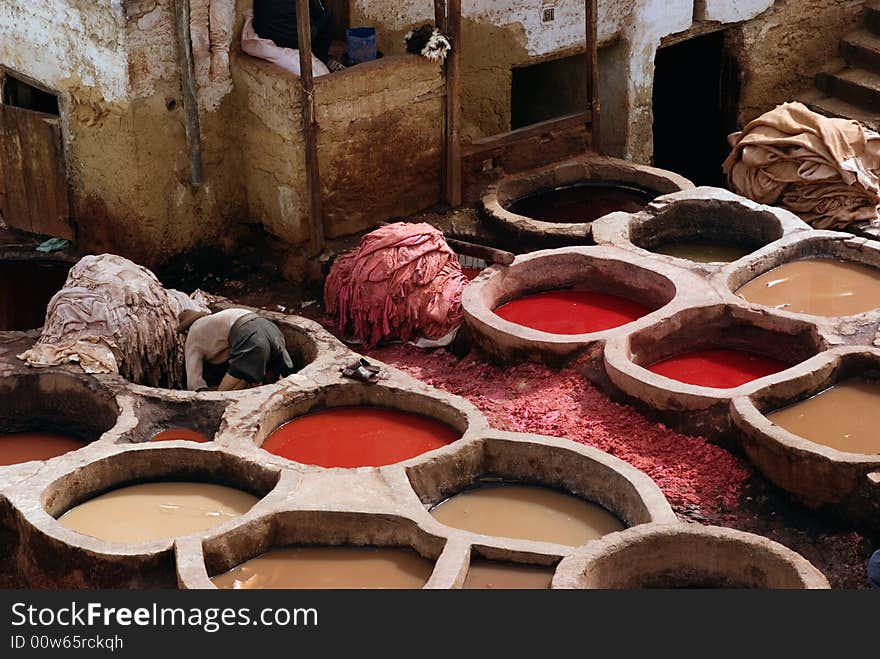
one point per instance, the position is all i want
(249, 343)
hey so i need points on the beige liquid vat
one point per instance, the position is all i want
(483, 575)
(330, 568)
(845, 417)
(527, 512)
(820, 287)
(155, 511)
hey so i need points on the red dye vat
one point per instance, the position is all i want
(26, 446)
(358, 437)
(571, 312)
(185, 434)
(720, 369)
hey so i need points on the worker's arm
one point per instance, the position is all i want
(195, 361)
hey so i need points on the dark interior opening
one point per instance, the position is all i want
(696, 92)
(548, 90)
(20, 94)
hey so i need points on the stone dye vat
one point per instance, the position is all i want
(557, 205)
(686, 556)
(330, 567)
(701, 226)
(179, 434)
(27, 283)
(366, 425)
(559, 293)
(827, 461)
(44, 415)
(358, 437)
(527, 512)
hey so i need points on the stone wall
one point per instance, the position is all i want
(781, 51)
(114, 67)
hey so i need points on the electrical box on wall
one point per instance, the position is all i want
(548, 11)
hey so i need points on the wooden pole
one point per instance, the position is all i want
(310, 124)
(440, 14)
(592, 44)
(188, 85)
(453, 105)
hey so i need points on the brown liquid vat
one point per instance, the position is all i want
(527, 233)
(686, 556)
(844, 484)
(307, 529)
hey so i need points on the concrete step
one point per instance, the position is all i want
(834, 107)
(856, 86)
(862, 49)
(872, 16)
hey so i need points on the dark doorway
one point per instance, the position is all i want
(548, 90)
(696, 93)
(20, 94)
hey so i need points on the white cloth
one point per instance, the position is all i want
(208, 340)
(286, 58)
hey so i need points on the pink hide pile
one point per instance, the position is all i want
(403, 282)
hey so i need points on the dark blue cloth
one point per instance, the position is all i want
(874, 569)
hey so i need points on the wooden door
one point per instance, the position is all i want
(33, 174)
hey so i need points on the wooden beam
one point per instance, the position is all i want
(489, 254)
(453, 105)
(310, 124)
(488, 144)
(592, 44)
(188, 85)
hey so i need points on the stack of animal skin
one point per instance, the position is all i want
(114, 316)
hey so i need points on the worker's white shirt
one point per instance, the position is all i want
(208, 340)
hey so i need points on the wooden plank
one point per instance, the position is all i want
(453, 105)
(188, 84)
(490, 254)
(16, 212)
(494, 142)
(310, 124)
(592, 48)
(33, 175)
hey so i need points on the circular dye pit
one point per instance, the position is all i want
(491, 575)
(583, 202)
(26, 287)
(844, 417)
(719, 369)
(351, 437)
(23, 447)
(571, 312)
(527, 512)
(820, 287)
(330, 567)
(700, 251)
(157, 511)
(175, 434)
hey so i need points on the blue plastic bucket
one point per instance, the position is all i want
(361, 44)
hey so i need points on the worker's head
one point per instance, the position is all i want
(187, 317)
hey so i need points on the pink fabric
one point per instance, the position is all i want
(286, 58)
(401, 283)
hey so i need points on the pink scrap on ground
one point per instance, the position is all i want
(533, 398)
